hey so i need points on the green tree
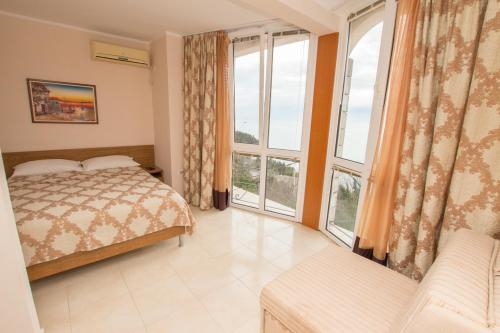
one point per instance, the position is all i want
(347, 201)
(242, 137)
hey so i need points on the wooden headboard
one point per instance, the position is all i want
(141, 154)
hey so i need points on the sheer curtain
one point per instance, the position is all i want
(377, 211)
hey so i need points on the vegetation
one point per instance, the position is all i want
(246, 172)
(282, 182)
(242, 137)
(282, 177)
(347, 201)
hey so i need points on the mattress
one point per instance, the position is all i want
(335, 290)
(64, 213)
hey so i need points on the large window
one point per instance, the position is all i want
(355, 124)
(270, 77)
(288, 90)
(247, 91)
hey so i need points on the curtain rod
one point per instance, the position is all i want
(365, 10)
(274, 34)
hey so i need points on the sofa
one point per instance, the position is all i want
(338, 291)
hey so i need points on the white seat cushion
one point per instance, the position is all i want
(337, 291)
(458, 292)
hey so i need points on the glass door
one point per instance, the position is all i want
(356, 122)
(271, 108)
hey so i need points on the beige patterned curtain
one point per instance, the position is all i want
(450, 163)
(199, 118)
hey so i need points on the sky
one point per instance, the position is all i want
(70, 93)
(288, 92)
(246, 93)
(365, 60)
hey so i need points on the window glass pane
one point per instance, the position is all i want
(365, 35)
(246, 179)
(344, 198)
(282, 182)
(246, 91)
(288, 88)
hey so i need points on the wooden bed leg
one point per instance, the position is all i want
(181, 241)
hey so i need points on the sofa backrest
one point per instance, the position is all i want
(461, 291)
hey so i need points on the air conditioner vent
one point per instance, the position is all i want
(119, 54)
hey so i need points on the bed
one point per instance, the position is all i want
(70, 219)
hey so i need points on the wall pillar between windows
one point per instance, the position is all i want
(320, 125)
(167, 72)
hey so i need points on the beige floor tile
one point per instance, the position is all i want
(242, 261)
(297, 254)
(206, 227)
(48, 285)
(189, 256)
(190, 317)
(252, 326)
(288, 260)
(260, 276)
(229, 215)
(53, 311)
(57, 328)
(232, 306)
(155, 301)
(268, 247)
(109, 315)
(300, 235)
(206, 277)
(99, 287)
(220, 242)
(146, 271)
(268, 224)
(240, 231)
(246, 232)
(75, 276)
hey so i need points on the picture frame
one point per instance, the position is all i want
(60, 102)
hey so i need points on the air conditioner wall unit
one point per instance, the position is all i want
(119, 54)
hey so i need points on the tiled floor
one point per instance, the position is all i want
(209, 285)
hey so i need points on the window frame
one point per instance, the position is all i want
(333, 162)
(262, 149)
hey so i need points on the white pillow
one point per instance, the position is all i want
(107, 162)
(46, 166)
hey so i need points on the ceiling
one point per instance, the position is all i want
(332, 4)
(140, 19)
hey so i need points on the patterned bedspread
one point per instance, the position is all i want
(64, 213)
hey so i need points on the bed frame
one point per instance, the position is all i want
(79, 259)
(144, 155)
(141, 154)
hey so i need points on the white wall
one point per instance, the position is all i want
(175, 59)
(32, 49)
(17, 309)
(159, 76)
(135, 105)
(168, 103)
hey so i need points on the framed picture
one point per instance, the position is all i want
(62, 102)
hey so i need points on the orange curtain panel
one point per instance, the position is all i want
(222, 172)
(377, 212)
